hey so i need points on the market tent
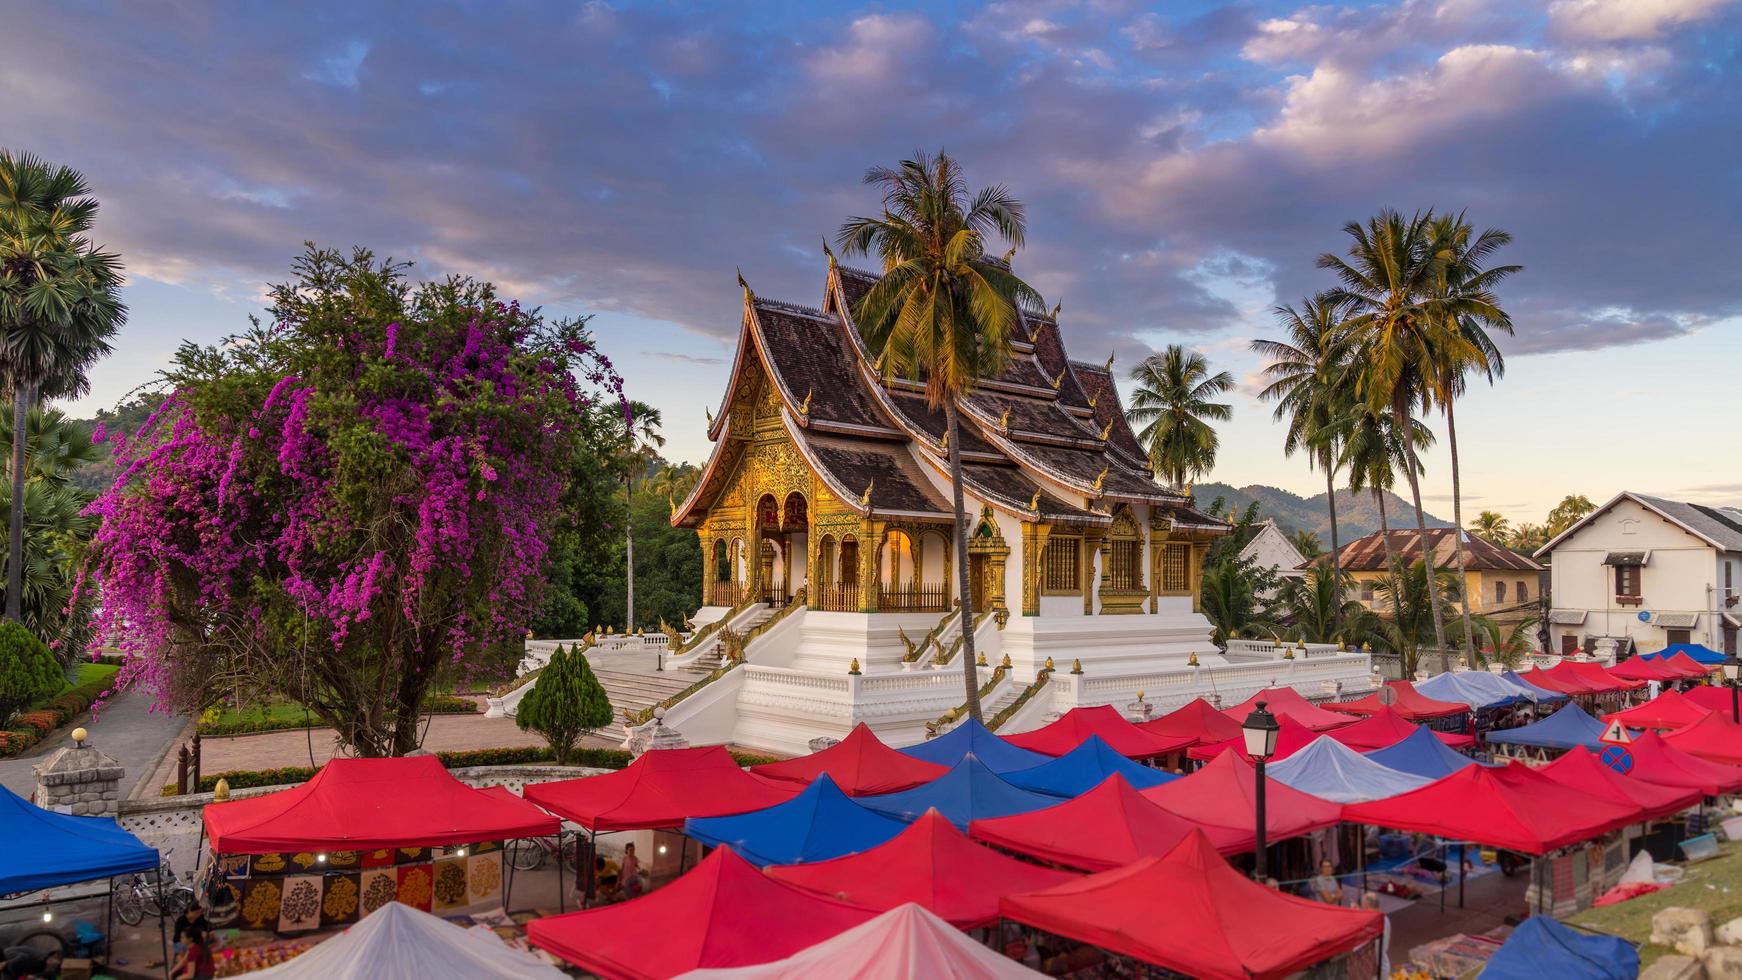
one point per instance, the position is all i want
(1582, 770)
(1714, 738)
(1423, 755)
(820, 823)
(45, 849)
(1221, 793)
(661, 789)
(1669, 710)
(1641, 669)
(1218, 924)
(1198, 720)
(1288, 701)
(966, 793)
(1596, 676)
(1104, 721)
(1332, 771)
(971, 737)
(357, 804)
(1409, 703)
(398, 942)
(1563, 683)
(931, 863)
(1698, 652)
(1543, 947)
(1566, 728)
(1540, 693)
(1110, 826)
(1291, 737)
(1656, 761)
(1688, 666)
(902, 943)
(1510, 807)
(724, 912)
(1712, 697)
(1477, 688)
(860, 765)
(1083, 768)
(1385, 728)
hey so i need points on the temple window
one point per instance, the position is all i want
(1175, 568)
(1126, 564)
(722, 565)
(1061, 566)
(849, 560)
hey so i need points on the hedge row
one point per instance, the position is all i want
(521, 756)
(34, 725)
(435, 704)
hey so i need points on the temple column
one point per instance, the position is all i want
(1093, 542)
(1200, 551)
(1034, 537)
(870, 563)
(707, 542)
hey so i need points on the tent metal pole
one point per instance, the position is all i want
(109, 930)
(1461, 874)
(561, 873)
(162, 931)
(590, 867)
(508, 886)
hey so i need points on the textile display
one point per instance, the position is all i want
(290, 893)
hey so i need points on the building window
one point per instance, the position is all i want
(1499, 592)
(1176, 574)
(1061, 568)
(1523, 592)
(1569, 644)
(1679, 636)
(1126, 560)
(1627, 583)
(849, 560)
(1367, 590)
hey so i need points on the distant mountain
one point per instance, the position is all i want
(1357, 514)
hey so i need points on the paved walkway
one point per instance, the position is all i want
(125, 728)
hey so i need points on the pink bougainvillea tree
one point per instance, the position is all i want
(349, 504)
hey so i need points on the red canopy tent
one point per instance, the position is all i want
(1221, 793)
(1558, 683)
(1714, 738)
(1580, 769)
(724, 913)
(1218, 924)
(1656, 761)
(1508, 807)
(1385, 728)
(860, 765)
(1287, 701)
(360, 804)
(1410, 703)
(1291, 737)
(661, 789)
(1668, 710)
(1078, 724)
(1641, 669)
(1198, 720)
(1108, 827)
(1594, 674)
(1689, 667)
(1712, 697)
(931, 863)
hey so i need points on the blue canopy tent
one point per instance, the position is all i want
(1543, 947)
(966, 793)
(971, 737)
(1476, 688)
(820, 823)
(1700, 652)
(1330, 770)
(1567, 728)
(1540, 694)
(1084, 768)
(1422, 754)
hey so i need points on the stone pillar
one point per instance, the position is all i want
(79, 780)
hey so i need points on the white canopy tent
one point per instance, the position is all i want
(1330, 770)
(906, 941)
(398, 942)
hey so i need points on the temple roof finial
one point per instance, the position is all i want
(1101, 478)
(829, 252)
(1034, 503)
(1110, 355)
(1059, 381)
(748, 295)
(1056, 307)
(865, 498)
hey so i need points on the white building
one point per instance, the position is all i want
(1271, 548)
(1649, 570)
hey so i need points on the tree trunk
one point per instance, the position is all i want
(1458, 538)
(1390, 555)
(629, 551)
(1336, 558)
(21, 399)
(970, 671)
(1427, 559)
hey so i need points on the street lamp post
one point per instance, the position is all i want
(1733, 670)
(1259, 730)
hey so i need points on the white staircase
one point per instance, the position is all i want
(631, 690)
(714, 653)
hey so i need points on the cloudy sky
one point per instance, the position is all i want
(1183, 163)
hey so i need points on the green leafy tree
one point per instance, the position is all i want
(59, 305)
(1572, 509)
(1412, 611)
(57, 529)
(1491, 527)
(566, 703)
(1230, 599)
(1372, 453)
(1172, 409)
(28, 672)
(641, 442)
(943, 311)
(1309, 546)
(1526, 538)
(1317, 608)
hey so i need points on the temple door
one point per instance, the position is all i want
(979, 580)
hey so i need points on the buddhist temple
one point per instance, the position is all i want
(830, 573)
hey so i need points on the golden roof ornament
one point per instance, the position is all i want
(1049, 665)
(1060, 380)
(853, 668)
(829, 252)
(1056, 307)
(1004, 420)
(745, 285)
(946, 441)
(1107, 430)
(1034, 503)
(710, 413)
(1076, 666)
(1109, 367)
(1100, 479)
(865, 498)
(1005, 663)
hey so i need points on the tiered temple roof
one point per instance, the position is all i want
(1044, 433)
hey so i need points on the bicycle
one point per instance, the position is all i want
(531, 853)
(162, 894)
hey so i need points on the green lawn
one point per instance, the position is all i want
(94, 672)
(273, 714)
(1714, 885)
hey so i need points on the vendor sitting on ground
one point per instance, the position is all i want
(192, 927)
(608, 876)
(196, 962)
(1326, 887)
(28, 961)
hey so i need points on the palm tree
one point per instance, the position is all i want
(1572, 509)
(1412, 611)
(1492, 527)
(1318, 609)
(1309, 546)
(1170, 406)
(59, 304)
(1372, 453)
(1404, 327)
(1527, 537)
(641, 442)
(1306, 380)
(944, 310)
(1230, 602)
(1467, 290)
(54, 446)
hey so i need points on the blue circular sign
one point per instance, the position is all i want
(1645, 617)
(1617, 758)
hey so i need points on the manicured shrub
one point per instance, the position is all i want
(565, 703)
(28, 672)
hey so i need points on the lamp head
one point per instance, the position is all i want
(1259, 730)
(1732, 667)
